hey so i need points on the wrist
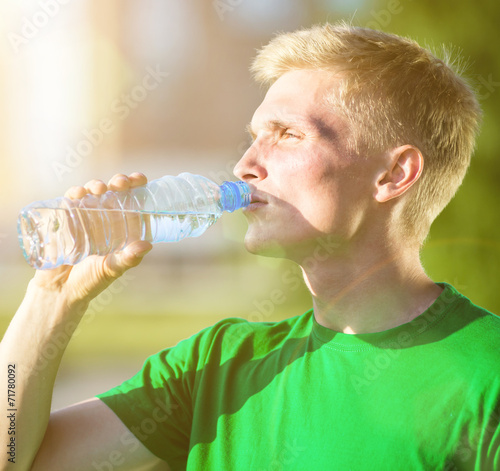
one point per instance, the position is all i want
(52, 303)
(44, 322)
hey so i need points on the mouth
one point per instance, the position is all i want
(254, 198)
(256, 201)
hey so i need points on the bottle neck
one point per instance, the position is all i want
(234, 195)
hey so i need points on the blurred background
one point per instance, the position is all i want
(91, 88)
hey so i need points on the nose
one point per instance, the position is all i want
(250, 168)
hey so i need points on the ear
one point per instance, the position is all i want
(405, 167)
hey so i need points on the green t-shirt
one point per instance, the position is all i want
(294, 395)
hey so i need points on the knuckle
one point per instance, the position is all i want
(75, 191)
(118, 180)
(96, 186)
(137, 175)
(138, 179)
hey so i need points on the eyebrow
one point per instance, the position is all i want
(317, 125)
(280, 123)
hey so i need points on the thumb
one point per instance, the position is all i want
(117, 263)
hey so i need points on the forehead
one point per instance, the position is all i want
(299, 96)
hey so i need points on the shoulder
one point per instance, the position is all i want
(475, 333)
(477, 321)
(237, 337)
(230, 338)
(235, 333)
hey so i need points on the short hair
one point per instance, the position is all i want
(393, 92)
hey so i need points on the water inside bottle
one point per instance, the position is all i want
(51, 237)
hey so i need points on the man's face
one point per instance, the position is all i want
(306, 184)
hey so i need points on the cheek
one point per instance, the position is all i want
(297, 171)
(315, 201)
(325, 198)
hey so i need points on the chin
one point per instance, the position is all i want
(294, 249)
(265, 248)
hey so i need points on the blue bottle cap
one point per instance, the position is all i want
(234, 195)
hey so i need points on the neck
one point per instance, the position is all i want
(371, 291)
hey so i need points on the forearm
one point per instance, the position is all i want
(41, 329)
(30, 354)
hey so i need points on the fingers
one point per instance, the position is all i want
(75, 192)
(96, 187)
(118, 182)
(137, 179)
(122, 182)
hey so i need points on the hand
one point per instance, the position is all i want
(85, 280)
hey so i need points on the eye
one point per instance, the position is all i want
(289, 134)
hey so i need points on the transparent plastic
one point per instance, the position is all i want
(63, 231)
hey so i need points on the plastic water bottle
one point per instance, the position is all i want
(63, 231)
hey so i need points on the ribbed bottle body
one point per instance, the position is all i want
(64, 231)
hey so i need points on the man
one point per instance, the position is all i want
(360, 141)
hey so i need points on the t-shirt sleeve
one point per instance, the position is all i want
(156, 403)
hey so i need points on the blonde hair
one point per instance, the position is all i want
(393, 92)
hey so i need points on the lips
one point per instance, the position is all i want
(257, 200)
